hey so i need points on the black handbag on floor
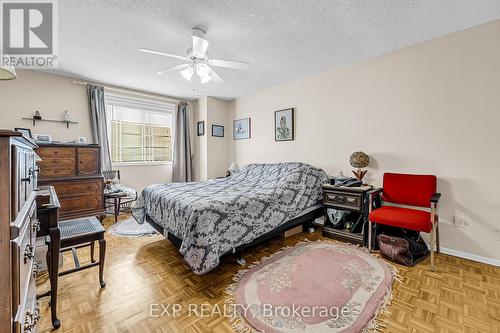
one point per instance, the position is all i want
(408, 248)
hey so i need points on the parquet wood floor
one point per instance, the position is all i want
(461, 296)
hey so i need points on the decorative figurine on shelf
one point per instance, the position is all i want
(359, 160)
(37, 115)
(66, 116)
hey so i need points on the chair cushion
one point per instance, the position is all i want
(115, 188)
(413, 190)
(405, 218)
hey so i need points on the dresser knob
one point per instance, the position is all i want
(28, 318)
(28, 253)
(36, 269)
(36, 225)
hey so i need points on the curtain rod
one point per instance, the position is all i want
(130, 92)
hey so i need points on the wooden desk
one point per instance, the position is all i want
(49, 217)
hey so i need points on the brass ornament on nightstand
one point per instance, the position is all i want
(359, 160)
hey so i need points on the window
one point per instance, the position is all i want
(140, 131)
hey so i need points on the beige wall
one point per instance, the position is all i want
(51, 95)
(200, 142)
(212, 154)
(218, 112)
(431, 108)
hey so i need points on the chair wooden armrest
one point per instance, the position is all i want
(435, 198)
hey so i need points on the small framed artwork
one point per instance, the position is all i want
(82, 140)
(241, 129)
(200, 128)
(218, 131)
(283, 125)
(43, 138)
(26, 132)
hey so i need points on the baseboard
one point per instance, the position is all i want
(465, 255)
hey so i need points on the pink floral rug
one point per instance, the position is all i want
(312, 287)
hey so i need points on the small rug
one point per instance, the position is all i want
(131, 228)
(312, 287)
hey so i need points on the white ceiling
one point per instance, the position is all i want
(282, 40)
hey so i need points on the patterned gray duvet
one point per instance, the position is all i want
(215, 216)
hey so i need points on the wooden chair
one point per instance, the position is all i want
(118, 201)
(79, 233)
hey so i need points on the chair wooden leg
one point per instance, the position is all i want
(438, 248)
(432, 244)
(102, 254)
(117, 208)
(92, 248)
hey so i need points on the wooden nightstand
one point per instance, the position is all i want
(354, 201)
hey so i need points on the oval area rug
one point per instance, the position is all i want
(312, 287)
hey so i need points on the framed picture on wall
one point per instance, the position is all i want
(218, 131)
(26, 132)
(43, 138)
(200, 128)
(283, 125)
(241, 129)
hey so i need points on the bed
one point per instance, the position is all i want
(208, 219)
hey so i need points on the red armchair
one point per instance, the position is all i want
(408, 190)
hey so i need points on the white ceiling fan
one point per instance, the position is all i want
(198, 61)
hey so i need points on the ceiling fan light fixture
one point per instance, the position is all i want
(187, 73)
(205, 79)
(202, 69)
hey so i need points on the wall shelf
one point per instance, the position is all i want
(34, 120)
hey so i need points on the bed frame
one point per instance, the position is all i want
(305, 219)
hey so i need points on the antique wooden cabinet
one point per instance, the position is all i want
(19, 309)
(74, 171)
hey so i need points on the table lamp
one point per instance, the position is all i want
(359, 160)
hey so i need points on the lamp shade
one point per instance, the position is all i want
(234, 167)
(7, 72)
(359, 159)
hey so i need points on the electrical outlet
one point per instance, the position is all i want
(459, 221)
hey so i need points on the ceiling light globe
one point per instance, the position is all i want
(205, 79)
(187, 73)
(202, 69)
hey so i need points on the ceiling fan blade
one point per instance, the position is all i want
(242, 66)
(164, 54)
(215, 77)
(200, 46)
(175, 68)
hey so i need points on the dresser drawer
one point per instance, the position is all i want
(52, 167)
(56, 152)
(342, 200)
(79, 188)
(28, 314)
(80, 203)
(24, 268)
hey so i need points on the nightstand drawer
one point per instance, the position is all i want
(342, 200)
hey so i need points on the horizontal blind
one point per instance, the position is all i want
(140, 131)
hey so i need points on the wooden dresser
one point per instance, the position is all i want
(19, 309)
(74, 171)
